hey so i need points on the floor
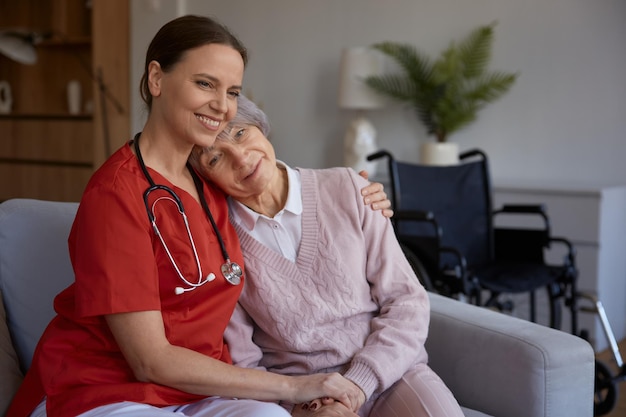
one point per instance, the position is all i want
(608, 359)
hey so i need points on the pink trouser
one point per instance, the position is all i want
(419, 393)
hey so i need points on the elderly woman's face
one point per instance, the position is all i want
(242, 162)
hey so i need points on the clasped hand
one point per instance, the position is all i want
(343, 405)
(325, 407)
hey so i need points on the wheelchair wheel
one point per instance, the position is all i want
(418, 268)
(605, 391)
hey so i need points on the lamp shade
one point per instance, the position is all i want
(18, 47)
(356, 65)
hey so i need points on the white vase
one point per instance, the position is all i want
(438, 153)
(74, 97)
(6, 99)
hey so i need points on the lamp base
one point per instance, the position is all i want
(359, 142)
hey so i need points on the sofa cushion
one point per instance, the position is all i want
(517, 368)
(9, 365)
(28, 231)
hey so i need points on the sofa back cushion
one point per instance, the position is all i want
(34, 266)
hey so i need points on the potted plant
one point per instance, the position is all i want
(446, 93)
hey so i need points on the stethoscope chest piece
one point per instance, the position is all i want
(232, 272)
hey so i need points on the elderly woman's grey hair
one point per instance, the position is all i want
(248, 113)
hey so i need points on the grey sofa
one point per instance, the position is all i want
(494, 364)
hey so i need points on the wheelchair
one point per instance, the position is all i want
(445, 223)
(444, 216)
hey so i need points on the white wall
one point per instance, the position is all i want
(564, 120)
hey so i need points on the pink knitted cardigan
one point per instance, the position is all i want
(350, 303)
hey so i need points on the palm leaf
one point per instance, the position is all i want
(491, 87)
(475, 51)
(398, 87)
(447, 93)
(413, 63)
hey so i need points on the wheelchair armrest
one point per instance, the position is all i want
(456, 275)
(523, 208)
(417, 216)
(414, 215)
(571, 250)
(458, 271)
(461, 262)
(420, 217)
(564, 241)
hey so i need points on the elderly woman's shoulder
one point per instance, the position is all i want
(334, 177)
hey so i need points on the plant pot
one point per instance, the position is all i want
(437, 153)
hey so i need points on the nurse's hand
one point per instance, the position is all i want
(375, 196)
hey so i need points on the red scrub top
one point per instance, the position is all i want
(121, 266)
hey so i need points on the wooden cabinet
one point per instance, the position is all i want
(46, 152)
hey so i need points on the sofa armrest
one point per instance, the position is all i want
(504, 366)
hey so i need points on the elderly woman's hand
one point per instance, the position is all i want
(374, 195)
(322, 408)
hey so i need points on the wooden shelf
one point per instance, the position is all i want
(45, 116)
(65, 42)
(45, 152)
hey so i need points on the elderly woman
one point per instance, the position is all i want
(328, 288)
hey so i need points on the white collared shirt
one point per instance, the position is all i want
(283, 232)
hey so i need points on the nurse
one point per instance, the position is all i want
(140, 331)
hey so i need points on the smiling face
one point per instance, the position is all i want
(242, 162)
(197, 97)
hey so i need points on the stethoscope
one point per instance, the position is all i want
(230, 270)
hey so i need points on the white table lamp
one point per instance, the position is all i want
(360, 140)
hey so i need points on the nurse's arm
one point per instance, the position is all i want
(141, 338)
(374, 195)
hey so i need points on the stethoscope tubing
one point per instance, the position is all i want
(230, 270)
(191, 242)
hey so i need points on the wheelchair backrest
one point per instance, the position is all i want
(460, 198)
